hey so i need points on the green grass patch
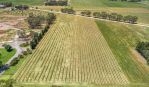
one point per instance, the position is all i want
(25, 2)
(106, 3)
(120, 39)
(12, 70)
(5, 77)
(5, 56)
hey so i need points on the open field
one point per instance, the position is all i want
(94, 4)
(72, 52)
(6, 55)
(122, 40)
(25, 2)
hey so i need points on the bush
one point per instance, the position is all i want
(20, 56)
(25, 52)
(29, 51)
(14, 61)
(68, 10)
(1, 63)
(24, 44)
(35, 21)
(143, 49)
(22, 7)
(57, 3)
(6, 4)
(8, 47)
(86, 13)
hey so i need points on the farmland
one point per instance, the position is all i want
(94, 4)
(91, 43)
(122, 39)
(27, 2)
(69, 53)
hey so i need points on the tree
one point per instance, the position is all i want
(33, 44)
(143, 49)
(133, 19)
(1, 63)
(68, 10)
(34, 21)
(104, 15)
(0, 54)
(96, 14)
(50, 18)
(8, 47)
(86, 13)
(119, 17)
(14, 61)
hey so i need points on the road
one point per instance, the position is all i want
(138, 24)
(15, 44)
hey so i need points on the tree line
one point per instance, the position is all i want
(56, 2)
(6, 4)
(68, 10)
(143, 49)
(38, 36)
(111, 16)
(21, 7)
(18, 7)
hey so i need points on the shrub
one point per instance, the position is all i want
(8, 47)
(14, 61)
(25, 52)
(20, 56)
(24, 44)
(29, 51)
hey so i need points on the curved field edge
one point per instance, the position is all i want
(120, 39)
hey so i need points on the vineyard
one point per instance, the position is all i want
(73, 52)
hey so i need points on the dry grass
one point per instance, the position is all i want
(74, 51)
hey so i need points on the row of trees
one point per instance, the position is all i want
(143, 49)
(86, 13)
(38, 36)
(6, 4)
(22, 7)
(111, 16)
(128, 0)
(57, 3)
(68, 10)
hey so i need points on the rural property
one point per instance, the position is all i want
(74, 43)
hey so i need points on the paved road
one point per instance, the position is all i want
(138, 24)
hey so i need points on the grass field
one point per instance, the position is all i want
(82, 4)
(121, 39)
(25, 2)
(72, 52)
(6, 55)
